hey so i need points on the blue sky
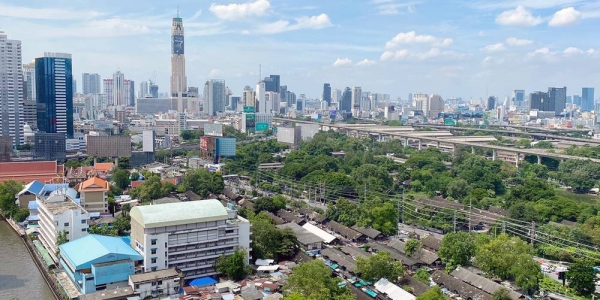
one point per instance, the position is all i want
(450, 47)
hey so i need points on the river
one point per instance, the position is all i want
(19, 277)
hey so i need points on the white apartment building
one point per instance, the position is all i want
(57, 213)
(421, 102)
(11, 90)
(263, 106)
(189, 236)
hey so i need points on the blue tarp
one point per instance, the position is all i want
(203, 281)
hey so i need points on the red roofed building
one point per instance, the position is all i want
(28, 171)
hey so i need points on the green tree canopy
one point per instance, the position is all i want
(269, 204)
(313, 280)
(457, 249)
(379, 265)
(412, 246)
(434, 293)
(202, 182)
(501, 294)
(580, 277)
(235, 266)
(269, 241)
(121, 178)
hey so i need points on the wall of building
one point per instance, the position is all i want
(94, 201)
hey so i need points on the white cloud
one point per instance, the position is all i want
(481, 33)
(45, 13)
(512, 41)
(535, 4)
(494, 48)
(404, 54)
(395, 55)
(564, 17)
(215, 73)
(542, 52)
(315, 22)
(342, 62)
(366, 63)
(519, 16)
(571, 51)
(411, 37)
(391, 7)
(236, 12)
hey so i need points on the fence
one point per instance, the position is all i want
(51, 280)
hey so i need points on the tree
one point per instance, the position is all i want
(313, 280)
(235, 265)
(121, 178)
(269, 204)
(412, 246)
(61, 238)
(8, 190)
(458, 189)
(134, 176)
(103, 230)
(457, 249)
(122, 224)
(501, 294)
(580, 277)
(422, 275)
(269, 241)
(202, 182)
(509, 258)
(379, 265)
(434, 293)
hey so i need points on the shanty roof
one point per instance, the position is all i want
(304, 236)
(423, 255)
(344, 231)
(355, 252)
(431, 242)
(277, 220)
(459, 287)
(327, 238)
(395, 254)
(393, 291)
(481, 282)
(369, 232)
(288, 216)
(340, 258)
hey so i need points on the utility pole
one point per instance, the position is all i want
(532, 232)
(454, 220)
(470, 214)
(503, 226)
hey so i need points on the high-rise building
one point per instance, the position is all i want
(214, 97)
(283, 94)
(235, 102)
(491, 103)
(272, 101)
(131, 93)
(575, 99)
(421, 102)
(518, 97)
(91, 83)
(356, 97)
(29, 78)
(143, 91)
(327, 93)
(11, 90)
(435, 106)
(119, 95)
(108, 87)
(559, 97)
(248, 97)
(541, 102)
(260, 97)
(272, 83)
(345, 103)
(74, 86)
(153, 89)
(587, 99)
(336, 96)
(54, 93)
(178, 78)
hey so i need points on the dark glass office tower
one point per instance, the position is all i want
(272, 83)
(346, 103)
(54, 93)
(327, 93)
(558, 96)
(587, 99)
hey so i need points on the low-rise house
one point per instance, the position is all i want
(289, 217)
(307, 240)
(458, 287)
(481, 282)
(425, 256)
(106, 263)
(346, 232)
(409, 262)
(413, 285)
(355, 252)
(339, 259)
(392, 291)
(324, 235)
(370, 232)
(94, 194)
(163, 282)
(277, 220)
(29, 193)
(432, 243)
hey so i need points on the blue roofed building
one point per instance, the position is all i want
(98, 262)
(29, 193)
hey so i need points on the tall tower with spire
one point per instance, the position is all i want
(178, 78)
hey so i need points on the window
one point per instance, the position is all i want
(160, 282)
(153, 251)
(153, 269)
(66, 224)
(137, 286)
(83, 221)
(153, 260)
(83, 229)
(153, 241)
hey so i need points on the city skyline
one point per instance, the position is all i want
(393, 47)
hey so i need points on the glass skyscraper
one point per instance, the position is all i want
(54, 93)
(587, 99)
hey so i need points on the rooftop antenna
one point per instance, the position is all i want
(259, 72)
(177, 11)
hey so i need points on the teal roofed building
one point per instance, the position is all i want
(98, 262)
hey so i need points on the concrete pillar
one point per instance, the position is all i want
(472, 150)
(438, 145)
(420, 144)
(406, 142)
(539, 160)
(493, 154)
(517, 156)
(454, 149)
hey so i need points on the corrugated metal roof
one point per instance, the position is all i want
(98, 249)
(328, 238)
(393, 291)
(35, 187)
(170, 214)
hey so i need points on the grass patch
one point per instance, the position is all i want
(590, 199)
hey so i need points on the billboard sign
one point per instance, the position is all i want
(226, 147)
(449, 122)
(262, 126)
(248, 109)
(178, 44)
(204, 143)
(213, 129)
